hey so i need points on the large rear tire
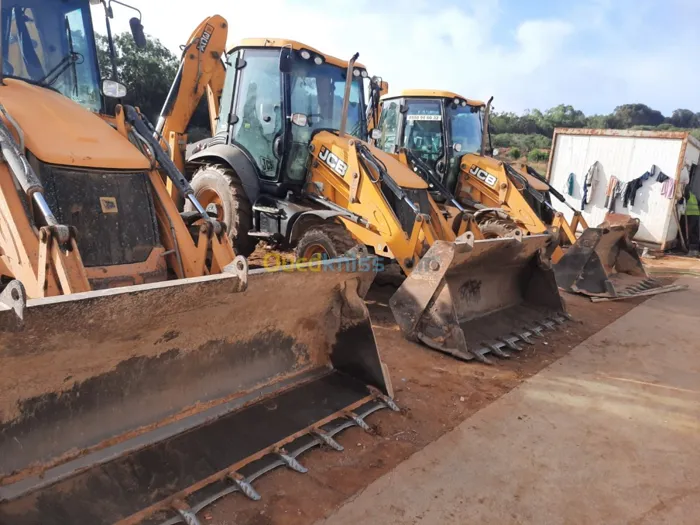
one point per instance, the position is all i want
(217, 184)
(329, 239)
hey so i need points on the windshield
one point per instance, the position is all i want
(465, 128)
(423, 130)
(51, 43)
(317, 91)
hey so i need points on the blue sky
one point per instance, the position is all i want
(593, 54)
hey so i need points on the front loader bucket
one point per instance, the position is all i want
(470, 298)
(603, 263)
(142, 403)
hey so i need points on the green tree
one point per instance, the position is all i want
(146, 73)
(684, 118)
(629, 115)
(565, 116)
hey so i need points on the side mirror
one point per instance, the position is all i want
(286, 60)
(137, 33)
(376, 134)
(113, 89)
(299, 119)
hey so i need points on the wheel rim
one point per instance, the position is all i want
(207, 197)
(314, 249)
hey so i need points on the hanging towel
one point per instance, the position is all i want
(570, 182)
(668, 188)
(590, 182)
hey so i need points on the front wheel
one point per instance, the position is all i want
(220, 185)
(330, 240)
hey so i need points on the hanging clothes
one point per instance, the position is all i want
(662, 177)
(570, 182)
(631, 191)
(590, 182)
(668, 188)
(613, 185)
(634, 185)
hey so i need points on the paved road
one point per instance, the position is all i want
(608, 434)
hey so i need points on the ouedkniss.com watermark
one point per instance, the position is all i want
(321, 262)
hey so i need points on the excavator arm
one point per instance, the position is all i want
(378, 88)
(201, 71)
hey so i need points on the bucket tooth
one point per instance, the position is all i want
(495, 348)
(525, 337)
(510, 342)
(188, 517)
(549, 324)
(291, 462)
(480, 355)
(386, 400)
(537, 330)
(244, 486)
(560, 320)
(327, 440)
(358, 421)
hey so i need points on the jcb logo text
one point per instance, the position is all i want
(333, 162)
(482, 175)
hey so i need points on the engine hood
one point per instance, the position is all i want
(62, 132)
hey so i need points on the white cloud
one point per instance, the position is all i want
(583, 59)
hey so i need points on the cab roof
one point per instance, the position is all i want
(298, 46)
(433, 93)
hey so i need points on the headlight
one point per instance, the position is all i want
(456, 101)
(356, 72)
(364, 74)
(305, 54)
(318, 61)
(464, 103)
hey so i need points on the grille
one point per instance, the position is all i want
(112, 211)
(403, 211)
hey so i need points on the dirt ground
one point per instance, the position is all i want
(609, 433)
(435, 392)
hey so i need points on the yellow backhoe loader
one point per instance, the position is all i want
(141, 361)
(287, 164)
(441, 136)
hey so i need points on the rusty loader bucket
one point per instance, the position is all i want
(471, 298)
(146, 403)
(604, 263)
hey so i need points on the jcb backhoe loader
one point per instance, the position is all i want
(141, 366)
(283, 167)
(441, 136)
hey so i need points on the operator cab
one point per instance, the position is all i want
(437, 127)
(277, 95)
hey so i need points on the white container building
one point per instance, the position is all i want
(627, 155)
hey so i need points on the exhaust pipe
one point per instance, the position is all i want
(346, 96)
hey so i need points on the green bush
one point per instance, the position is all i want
(521, 141)
(538, 155)
(514, 153)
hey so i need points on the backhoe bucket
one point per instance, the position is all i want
(603, 263)
(470, 298)
(141, 404)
